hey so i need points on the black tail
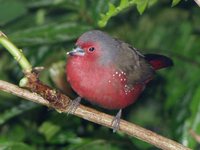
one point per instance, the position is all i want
(158, 61)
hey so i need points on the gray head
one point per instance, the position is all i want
(96, 45)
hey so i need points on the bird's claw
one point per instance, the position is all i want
(73, 105)
(116, 121)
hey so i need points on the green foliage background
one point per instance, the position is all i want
(46, 29)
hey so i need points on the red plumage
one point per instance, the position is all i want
(109, 72)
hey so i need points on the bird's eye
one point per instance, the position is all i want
(91, 49)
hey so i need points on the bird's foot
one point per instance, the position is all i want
(116, 121)
(73, 105)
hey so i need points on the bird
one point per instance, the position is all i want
(109, 72)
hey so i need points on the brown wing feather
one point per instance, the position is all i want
(132, 62)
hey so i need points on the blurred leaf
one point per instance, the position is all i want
(114, 10)
(175, 2)
(152, 2)
(45, 3)
(49, 130)
(3, 62)
(14, 146)
(13, 133)
(70, 4)
(141, 5)
(47, 34)
(66, 137)
(194, 120)
(141, 145)
(14, 111)
(16, 9)
(40, 16)
(99, 7)
(195, 109)
(94, 145)
(150, 118)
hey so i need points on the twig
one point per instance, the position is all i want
(99, 118)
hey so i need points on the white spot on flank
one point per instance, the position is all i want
(116, 72)
(109, 81)
(127, 89)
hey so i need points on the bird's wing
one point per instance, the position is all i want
(133, 63)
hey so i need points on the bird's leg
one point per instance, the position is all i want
(116, 121)
(73, 105)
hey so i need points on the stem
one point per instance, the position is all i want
(15, 52)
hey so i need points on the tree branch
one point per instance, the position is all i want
(198, 2)
(99, 118)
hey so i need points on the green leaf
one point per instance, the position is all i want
(195, 108)
(69, 5)
(114, 10)
(123, 3)
(112, 7)
(49, 130)
(94, 145)
(194, 120)
(14, 111)
(11, 10)
(141, 5)
(175, 2)
(49, 34)
(141, 145)
(14, 146)
(15, 133)
(45, 3)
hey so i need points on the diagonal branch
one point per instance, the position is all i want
(198, 2)
(99, 118)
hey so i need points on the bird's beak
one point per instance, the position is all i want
(76, 52)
